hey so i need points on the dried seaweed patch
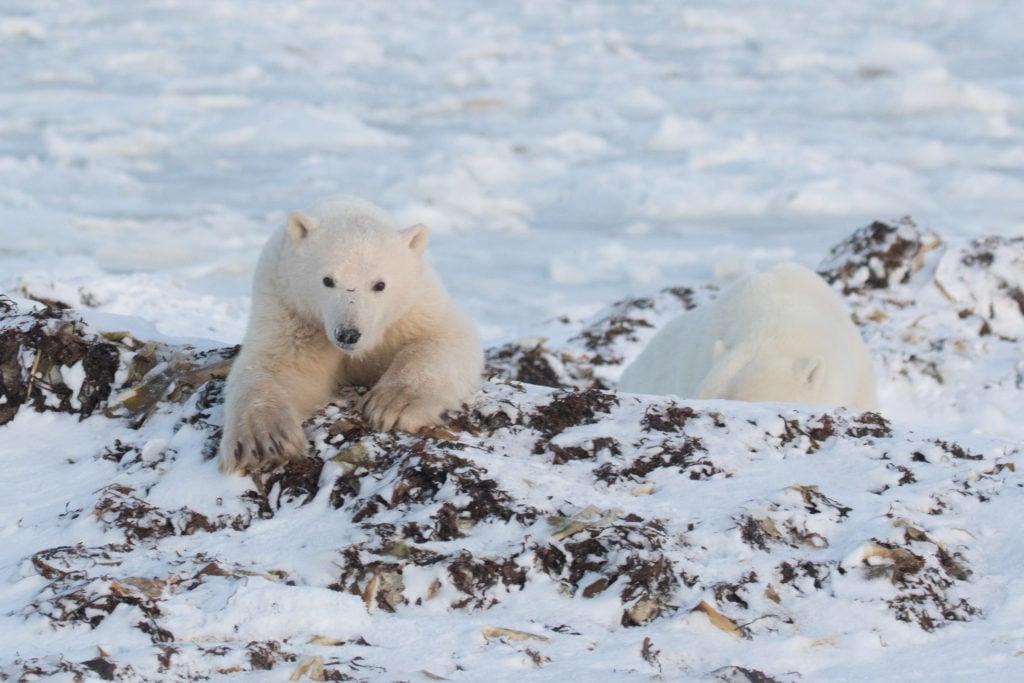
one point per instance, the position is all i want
(571, 408)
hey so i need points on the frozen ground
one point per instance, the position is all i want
(566, 155)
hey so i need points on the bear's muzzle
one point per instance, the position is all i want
(346, 336)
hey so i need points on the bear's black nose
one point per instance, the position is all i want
(347, 336)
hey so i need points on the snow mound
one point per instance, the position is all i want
(564, 528)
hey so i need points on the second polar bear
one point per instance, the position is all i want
(341, 297)
(782, 335)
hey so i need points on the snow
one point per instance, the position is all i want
(565, 156)
(171, 139)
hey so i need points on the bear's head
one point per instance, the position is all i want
(743, 374)
(796, 378)
(348, 266)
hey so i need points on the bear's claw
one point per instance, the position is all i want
(390, 407)
(262, 440)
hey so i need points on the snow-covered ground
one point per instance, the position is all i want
(565, 155)
(582, 150)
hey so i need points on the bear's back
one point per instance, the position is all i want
(735, 346)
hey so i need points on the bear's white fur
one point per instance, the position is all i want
(782, 335)
(341, 297)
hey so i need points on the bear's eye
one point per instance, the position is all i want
(378, 286)
(328, 281)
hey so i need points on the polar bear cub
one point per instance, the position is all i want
(783, 335)
(341, 297)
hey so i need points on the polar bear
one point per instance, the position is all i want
(341, 297)
(782, 335)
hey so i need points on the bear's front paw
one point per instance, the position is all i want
(400, 407)
(260, 438)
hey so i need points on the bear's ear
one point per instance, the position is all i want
(810, 370)
(300, 225)
(416, 237)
